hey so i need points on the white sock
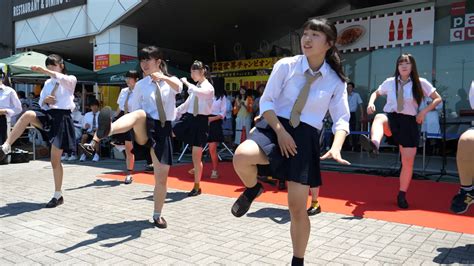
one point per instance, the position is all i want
(57, 194)
(6, 148)
(156, 215)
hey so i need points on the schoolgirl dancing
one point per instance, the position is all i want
(154, 103)
(299, 92)
(404, 91)
(53, 120)
(193, 126)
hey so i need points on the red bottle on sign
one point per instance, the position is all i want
(391, 32)
(400, 30)
(409, 29)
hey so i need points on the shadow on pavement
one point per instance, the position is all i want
(129, 230)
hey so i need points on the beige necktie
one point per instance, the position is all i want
(56, 86)
(400, 95)
(196, 106)
(302, 98)
(53, 92)
(159, 105)
(125, 107)
(196, 103)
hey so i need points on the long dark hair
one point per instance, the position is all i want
(415, 78)
(56, 60)
(4, 78)
(152, 52)
(198, 65)
(219, 92)
(333, 58)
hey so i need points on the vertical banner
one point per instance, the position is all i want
(101, 61)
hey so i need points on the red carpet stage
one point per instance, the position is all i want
(350, 194)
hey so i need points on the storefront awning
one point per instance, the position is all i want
(116, 74)
(19, 67)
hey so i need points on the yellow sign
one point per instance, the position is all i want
(250, 82)
(109, 95)
(248, 64)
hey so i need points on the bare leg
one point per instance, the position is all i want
(161, 177)
(135, 120)
(314, 193)
(197, 162)
(29, 117)
(130, 156)
(408, 160)
(213, 152)
(300, 225)
(379, 128)
(246, 157)
(464, 158)
(57, 167)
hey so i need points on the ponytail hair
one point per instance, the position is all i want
(333, 57)
(56, 60)
(198, 65)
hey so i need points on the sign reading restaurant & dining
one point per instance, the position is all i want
(23, 9)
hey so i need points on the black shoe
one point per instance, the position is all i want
(281, 185)
(162, 225)
(462, 201)
(88, 148)
(368, 145)
(149, 168)
(54, 202)
(242, 204)
(194, 192)
(402, 202)
(313, 211)
(2, 154)
(104, 120)
(265, 179)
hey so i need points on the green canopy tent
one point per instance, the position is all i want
(19, 68)
(115, 75)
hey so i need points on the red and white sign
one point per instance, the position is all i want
(408, 27)
(101, 62)
(462, 21)
(125, 58)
